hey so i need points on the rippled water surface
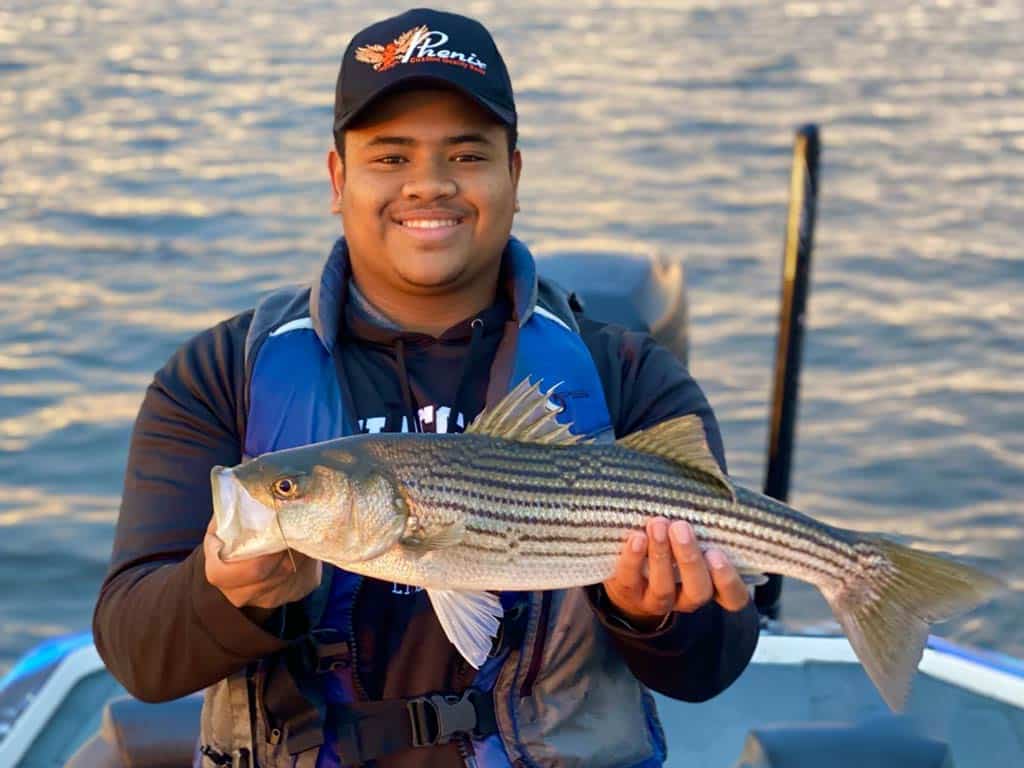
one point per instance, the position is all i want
(162, 165)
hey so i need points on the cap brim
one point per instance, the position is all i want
(504, 115)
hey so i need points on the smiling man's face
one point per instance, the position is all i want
(427, 193)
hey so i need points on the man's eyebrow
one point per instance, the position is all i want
(401, 140)
(468, 138)
(409, 141)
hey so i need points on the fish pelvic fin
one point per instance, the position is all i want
(526, 415)
(469, 619)
(683, 442)
(887, 611)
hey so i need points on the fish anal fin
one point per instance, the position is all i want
(469, 619)
(525, 414)
(682, 441)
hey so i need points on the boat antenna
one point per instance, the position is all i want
(803, 203)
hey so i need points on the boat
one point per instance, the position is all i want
(804, 700)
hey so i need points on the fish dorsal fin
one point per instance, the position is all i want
(681, 440)
(524, 414)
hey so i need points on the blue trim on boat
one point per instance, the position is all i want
(990, 659)
(1000, 662)
(47, 653)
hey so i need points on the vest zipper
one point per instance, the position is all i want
(354, 646)
(463, 678)
(538, 647)
(466, 751)
(464, 675)
(251, 683)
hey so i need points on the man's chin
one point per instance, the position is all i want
(432, 281)
(431, 271)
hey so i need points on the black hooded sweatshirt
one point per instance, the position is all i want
(164, 631)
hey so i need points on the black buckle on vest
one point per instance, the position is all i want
(435, 719)
(324, 650)
(332, 656)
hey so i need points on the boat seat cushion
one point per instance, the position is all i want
(134, 734)
(885, 742)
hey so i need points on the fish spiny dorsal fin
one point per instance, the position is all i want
(681, 440)
(525, 415)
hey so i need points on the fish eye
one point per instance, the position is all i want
(285, 488)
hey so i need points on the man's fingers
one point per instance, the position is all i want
(242, 572)
(263, 568)
(285, 585)
(661, 577)
(730, 591)
(627, 584)
(697, 588)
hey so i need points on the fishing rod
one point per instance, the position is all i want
(796, 271)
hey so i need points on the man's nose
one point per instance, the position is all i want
(431, 181)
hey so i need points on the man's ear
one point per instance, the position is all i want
(336, 171)
(516, 169)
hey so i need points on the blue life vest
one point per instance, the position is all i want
(295, 399)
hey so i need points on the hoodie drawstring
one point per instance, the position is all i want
(411, 413)
(468, 378)
(470, 364)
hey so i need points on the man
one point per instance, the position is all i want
(426, 311)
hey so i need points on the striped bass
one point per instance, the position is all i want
(517, 502)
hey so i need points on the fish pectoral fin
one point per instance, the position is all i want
(682, 441)
(418, 539)
(753, 578)
(469, 619)
(525, 414)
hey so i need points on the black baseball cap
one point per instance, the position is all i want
(428, 47)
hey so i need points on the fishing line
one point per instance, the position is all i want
(295, 568)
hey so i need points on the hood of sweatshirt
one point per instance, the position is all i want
(331, 295)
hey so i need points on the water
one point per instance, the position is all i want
(161, 167)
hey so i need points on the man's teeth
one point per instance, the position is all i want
(429, 223)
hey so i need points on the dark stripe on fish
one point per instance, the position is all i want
(559, 501)
(782, 559)
(596, 487)
(841, 559)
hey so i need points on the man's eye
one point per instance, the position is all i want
(390, 160)
(469, 157)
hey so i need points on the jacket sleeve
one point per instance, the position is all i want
(695, 656)
(160, 627)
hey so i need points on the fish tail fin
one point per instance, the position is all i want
(887, 610)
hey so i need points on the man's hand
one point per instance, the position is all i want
(645, 600)
(262, 583)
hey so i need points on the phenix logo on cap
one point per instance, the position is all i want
(427, 48)
(420, 44)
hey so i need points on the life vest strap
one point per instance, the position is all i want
(372, 729)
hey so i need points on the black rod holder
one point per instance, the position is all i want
(803, 203)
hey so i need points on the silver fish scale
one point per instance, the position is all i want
(544, 517)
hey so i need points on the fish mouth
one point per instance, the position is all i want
(240, 518)
(225, 508)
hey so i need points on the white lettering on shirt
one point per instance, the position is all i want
(373, 425)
